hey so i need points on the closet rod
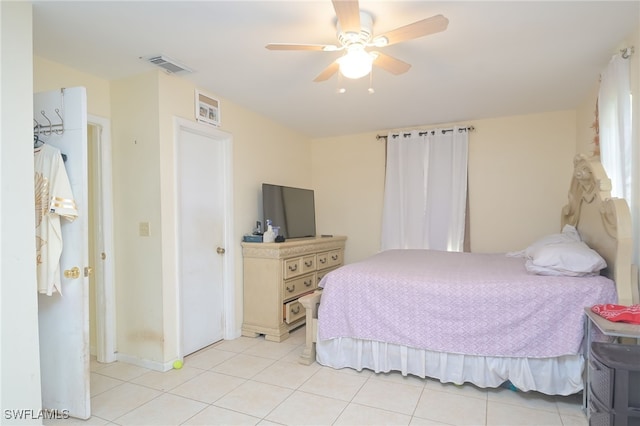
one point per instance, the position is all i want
(461, 129)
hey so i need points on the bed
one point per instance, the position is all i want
(486, 319)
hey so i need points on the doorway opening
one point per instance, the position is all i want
(101, 281)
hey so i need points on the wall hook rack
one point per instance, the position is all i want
(50, 127)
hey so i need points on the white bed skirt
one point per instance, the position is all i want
(552, 376)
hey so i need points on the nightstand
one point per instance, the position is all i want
(594, 366)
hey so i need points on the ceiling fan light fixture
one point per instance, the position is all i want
(355, 33)
(356, 63)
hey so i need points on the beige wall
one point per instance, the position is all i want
(519, 175)
(149, 263)
(53, 76)
(262, 151)
(20, 358)
(136, 185)
(348, 179)
(515, 164)
(142, 109)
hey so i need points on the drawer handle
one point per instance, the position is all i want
(308, 283)
(334, 257)
(323, 260)
(292, 289)
(293, 267)
(295, 310)
(308, 263)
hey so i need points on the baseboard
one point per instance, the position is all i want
(145, 363)
(233, 334)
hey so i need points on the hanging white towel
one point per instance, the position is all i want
(54, 199)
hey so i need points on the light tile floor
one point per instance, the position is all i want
(250, 381)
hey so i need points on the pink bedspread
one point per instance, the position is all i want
(476, 304)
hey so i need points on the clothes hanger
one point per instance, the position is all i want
(37, 142)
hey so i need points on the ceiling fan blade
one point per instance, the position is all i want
(390, 64)
(432, 25)
(348, 13)
(327, 72)
(294, 46)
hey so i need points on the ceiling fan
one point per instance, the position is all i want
(355, 35)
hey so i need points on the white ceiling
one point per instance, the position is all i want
(495, 59)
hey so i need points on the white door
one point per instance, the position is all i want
(64, 321)
(201, 237)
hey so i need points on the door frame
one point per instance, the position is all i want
(105, 302)
(228, 288)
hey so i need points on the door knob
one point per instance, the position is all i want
(72, 273)
(220, 250)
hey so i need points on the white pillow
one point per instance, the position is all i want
(574, 259)
(569, 235)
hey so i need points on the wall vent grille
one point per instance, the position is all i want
(168, 64)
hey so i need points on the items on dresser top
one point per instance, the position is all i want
(252, 238)
(269, 235)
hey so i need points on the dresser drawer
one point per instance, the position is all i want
(308, 264)
(297, 286)
(598, 415)
(293, 311)
(335, 258)
(330, 259)
(601, 378)
(292, 267)
(299, 266)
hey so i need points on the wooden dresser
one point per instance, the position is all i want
(277, 274)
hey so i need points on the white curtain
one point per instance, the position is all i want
(614, 117)
(425, 190)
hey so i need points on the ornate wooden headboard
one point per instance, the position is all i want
(604, 223)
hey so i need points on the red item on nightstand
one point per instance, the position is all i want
(619, 313)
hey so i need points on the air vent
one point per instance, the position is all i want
(167, 64)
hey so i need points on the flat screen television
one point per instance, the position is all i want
(292, 209)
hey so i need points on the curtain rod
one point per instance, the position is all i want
(627, 52)
(461, 129)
